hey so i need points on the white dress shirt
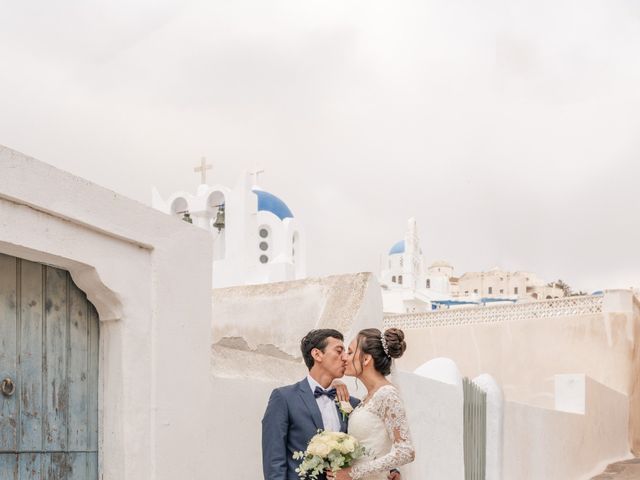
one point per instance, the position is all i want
(327, 408)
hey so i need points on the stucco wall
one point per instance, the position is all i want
(149, 276)
(634, 389)
(435, 414)
(547, 444)
(524, 355)
(257, 331)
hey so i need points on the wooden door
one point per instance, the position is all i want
(48, 375)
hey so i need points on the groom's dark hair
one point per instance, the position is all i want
(316, 339)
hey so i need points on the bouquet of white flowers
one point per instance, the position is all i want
(328, 451)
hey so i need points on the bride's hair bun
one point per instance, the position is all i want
(396, 345)
(382, 346)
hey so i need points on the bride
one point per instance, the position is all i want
(379, 422)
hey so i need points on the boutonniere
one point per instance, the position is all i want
(345, 408)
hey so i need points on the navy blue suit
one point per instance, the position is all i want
(291, 419)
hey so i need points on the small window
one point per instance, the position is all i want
(264, 233)
(428, 283)
(502, 290)
(400, 279)
(548, 297)
(466, 292)
(393, 279)
(515, 290)
(264, 259)
(264, 246)
(490, 290)
(475, 290)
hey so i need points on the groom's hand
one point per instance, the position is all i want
(394, 475)
(342, 392)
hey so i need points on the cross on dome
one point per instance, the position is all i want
(202, 169)
(254, 174)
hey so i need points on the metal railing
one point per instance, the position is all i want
(475, 431)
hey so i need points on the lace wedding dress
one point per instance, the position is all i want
(380, 425)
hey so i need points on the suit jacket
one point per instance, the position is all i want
(292, 418)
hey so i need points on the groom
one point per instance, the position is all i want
(296, 412)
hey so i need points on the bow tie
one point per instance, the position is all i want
(331, 393)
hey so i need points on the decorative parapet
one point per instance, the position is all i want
(560, 307)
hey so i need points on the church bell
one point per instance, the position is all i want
(219, 223)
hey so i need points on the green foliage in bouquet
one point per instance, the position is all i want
(327, 451)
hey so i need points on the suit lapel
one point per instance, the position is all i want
(310, 401)
(343, 419)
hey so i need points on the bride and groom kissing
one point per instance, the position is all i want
(296, 412)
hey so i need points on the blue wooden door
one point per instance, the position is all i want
(48, 375)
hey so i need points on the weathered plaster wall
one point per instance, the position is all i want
(547, 444)
(435, 414)
(634, 389)
(149, 277)
(257, 331)
(524, 355)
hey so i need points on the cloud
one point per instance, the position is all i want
(508, 129)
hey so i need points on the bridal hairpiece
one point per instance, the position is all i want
(384, 345)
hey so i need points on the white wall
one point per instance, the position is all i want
(257, 333)
(436, 417)
(149, 276)
(552, 445)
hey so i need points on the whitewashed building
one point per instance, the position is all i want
(254, 235)
(408, 286)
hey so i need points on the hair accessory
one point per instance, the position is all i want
(384, 345)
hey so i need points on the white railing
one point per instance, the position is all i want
(561, 307)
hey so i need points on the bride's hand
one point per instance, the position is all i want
(342, 392)
(344, 474)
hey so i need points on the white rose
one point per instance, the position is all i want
(346, 407)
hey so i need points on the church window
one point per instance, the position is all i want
(264, 259)
(264, 246)
(428, 283)
(393, 279)
(490, 290)
(400, 279)
(515, 290)
(264, 233)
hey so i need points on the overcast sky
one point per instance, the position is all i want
(509, 129)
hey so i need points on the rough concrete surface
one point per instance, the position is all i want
(625, 470)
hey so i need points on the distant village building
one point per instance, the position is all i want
(409, 286)
(254, 235)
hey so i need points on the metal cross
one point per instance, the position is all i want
(255, 174)
(202, 169)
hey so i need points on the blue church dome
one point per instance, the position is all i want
(397, 248)
(268, 202)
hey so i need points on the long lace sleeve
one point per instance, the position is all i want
(389, 407)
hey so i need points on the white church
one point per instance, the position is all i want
(409, 286)
(126, 356)
(255, 236)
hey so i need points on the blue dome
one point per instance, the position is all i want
(268, 202)
(397, 248)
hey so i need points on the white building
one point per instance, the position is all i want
(409, 286)
(255, 236)
(498, 284)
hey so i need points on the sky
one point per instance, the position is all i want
(509, 129)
